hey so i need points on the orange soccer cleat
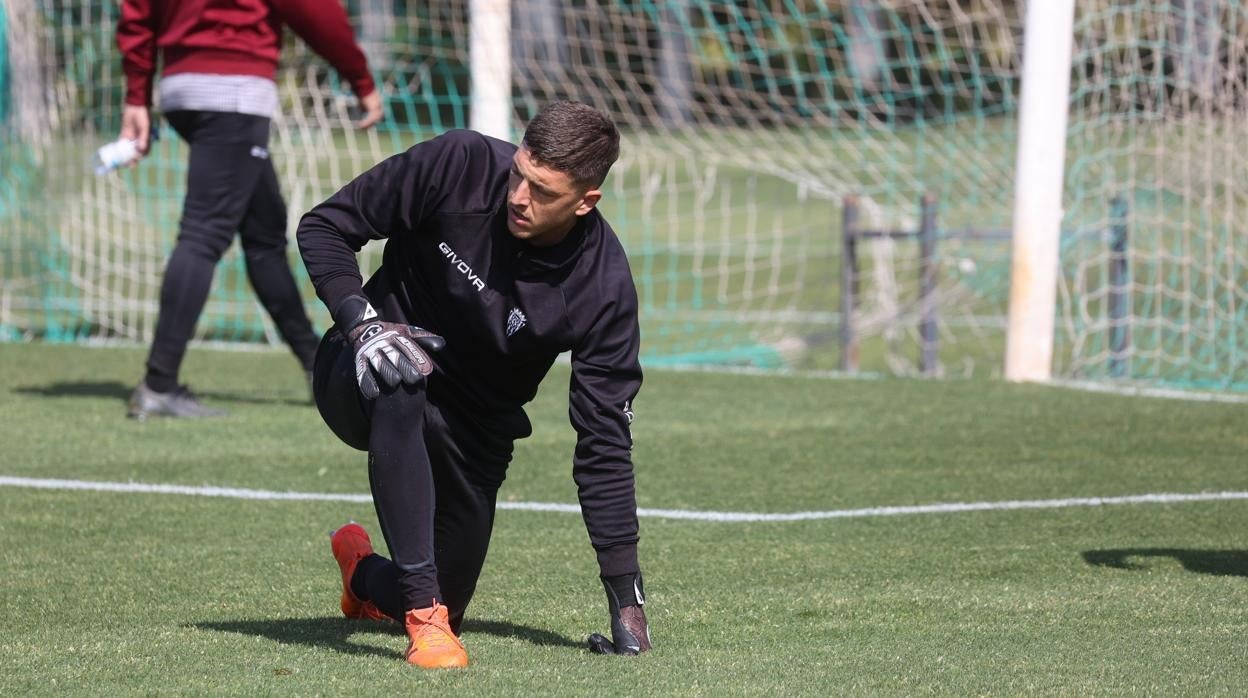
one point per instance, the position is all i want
(350, 545)
(433, 645)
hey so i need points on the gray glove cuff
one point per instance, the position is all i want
(352, 311)
(623, 590)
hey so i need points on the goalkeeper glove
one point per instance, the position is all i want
(630, 634)
(392, 352)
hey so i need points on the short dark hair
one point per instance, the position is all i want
(574, 138)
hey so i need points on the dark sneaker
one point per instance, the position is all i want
(145, 402)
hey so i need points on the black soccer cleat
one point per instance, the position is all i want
(145, 402)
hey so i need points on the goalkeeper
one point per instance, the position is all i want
(218, 60)
(496, 261)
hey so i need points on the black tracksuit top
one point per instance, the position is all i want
(506, 309)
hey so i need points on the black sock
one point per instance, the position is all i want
(359, 578)
(161, 384)
(376, 579)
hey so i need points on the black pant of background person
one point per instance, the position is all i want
(434, 472)
(230, 187)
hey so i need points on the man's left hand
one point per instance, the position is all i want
(630, 633)
(373, 111)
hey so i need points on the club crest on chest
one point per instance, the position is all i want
(515, 320)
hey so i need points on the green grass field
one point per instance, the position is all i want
(108, 593)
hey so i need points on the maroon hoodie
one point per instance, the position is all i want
(231, 37)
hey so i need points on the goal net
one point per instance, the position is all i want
(746, 126)
(1156, 290)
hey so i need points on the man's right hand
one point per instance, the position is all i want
(389, 352)
(136, 125)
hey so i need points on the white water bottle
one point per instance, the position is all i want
(119, 153)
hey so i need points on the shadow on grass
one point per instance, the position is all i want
(502, 628)
(1226, 563)
(330, 633)
(242, 399)
(121, 391)
(111, 389)
(336, 633)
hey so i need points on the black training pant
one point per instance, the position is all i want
(230, 187)
(434, 475)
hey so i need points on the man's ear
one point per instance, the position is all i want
(589, 201)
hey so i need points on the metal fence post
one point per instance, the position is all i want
(928, 354)
(849, 283)
(1119, 289)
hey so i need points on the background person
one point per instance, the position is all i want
(218, 61)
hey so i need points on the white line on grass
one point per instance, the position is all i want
(682, 514)
(1147, 391)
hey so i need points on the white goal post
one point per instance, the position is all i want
(1047, 52)
(489, 58)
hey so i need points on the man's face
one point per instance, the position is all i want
(544, 203)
